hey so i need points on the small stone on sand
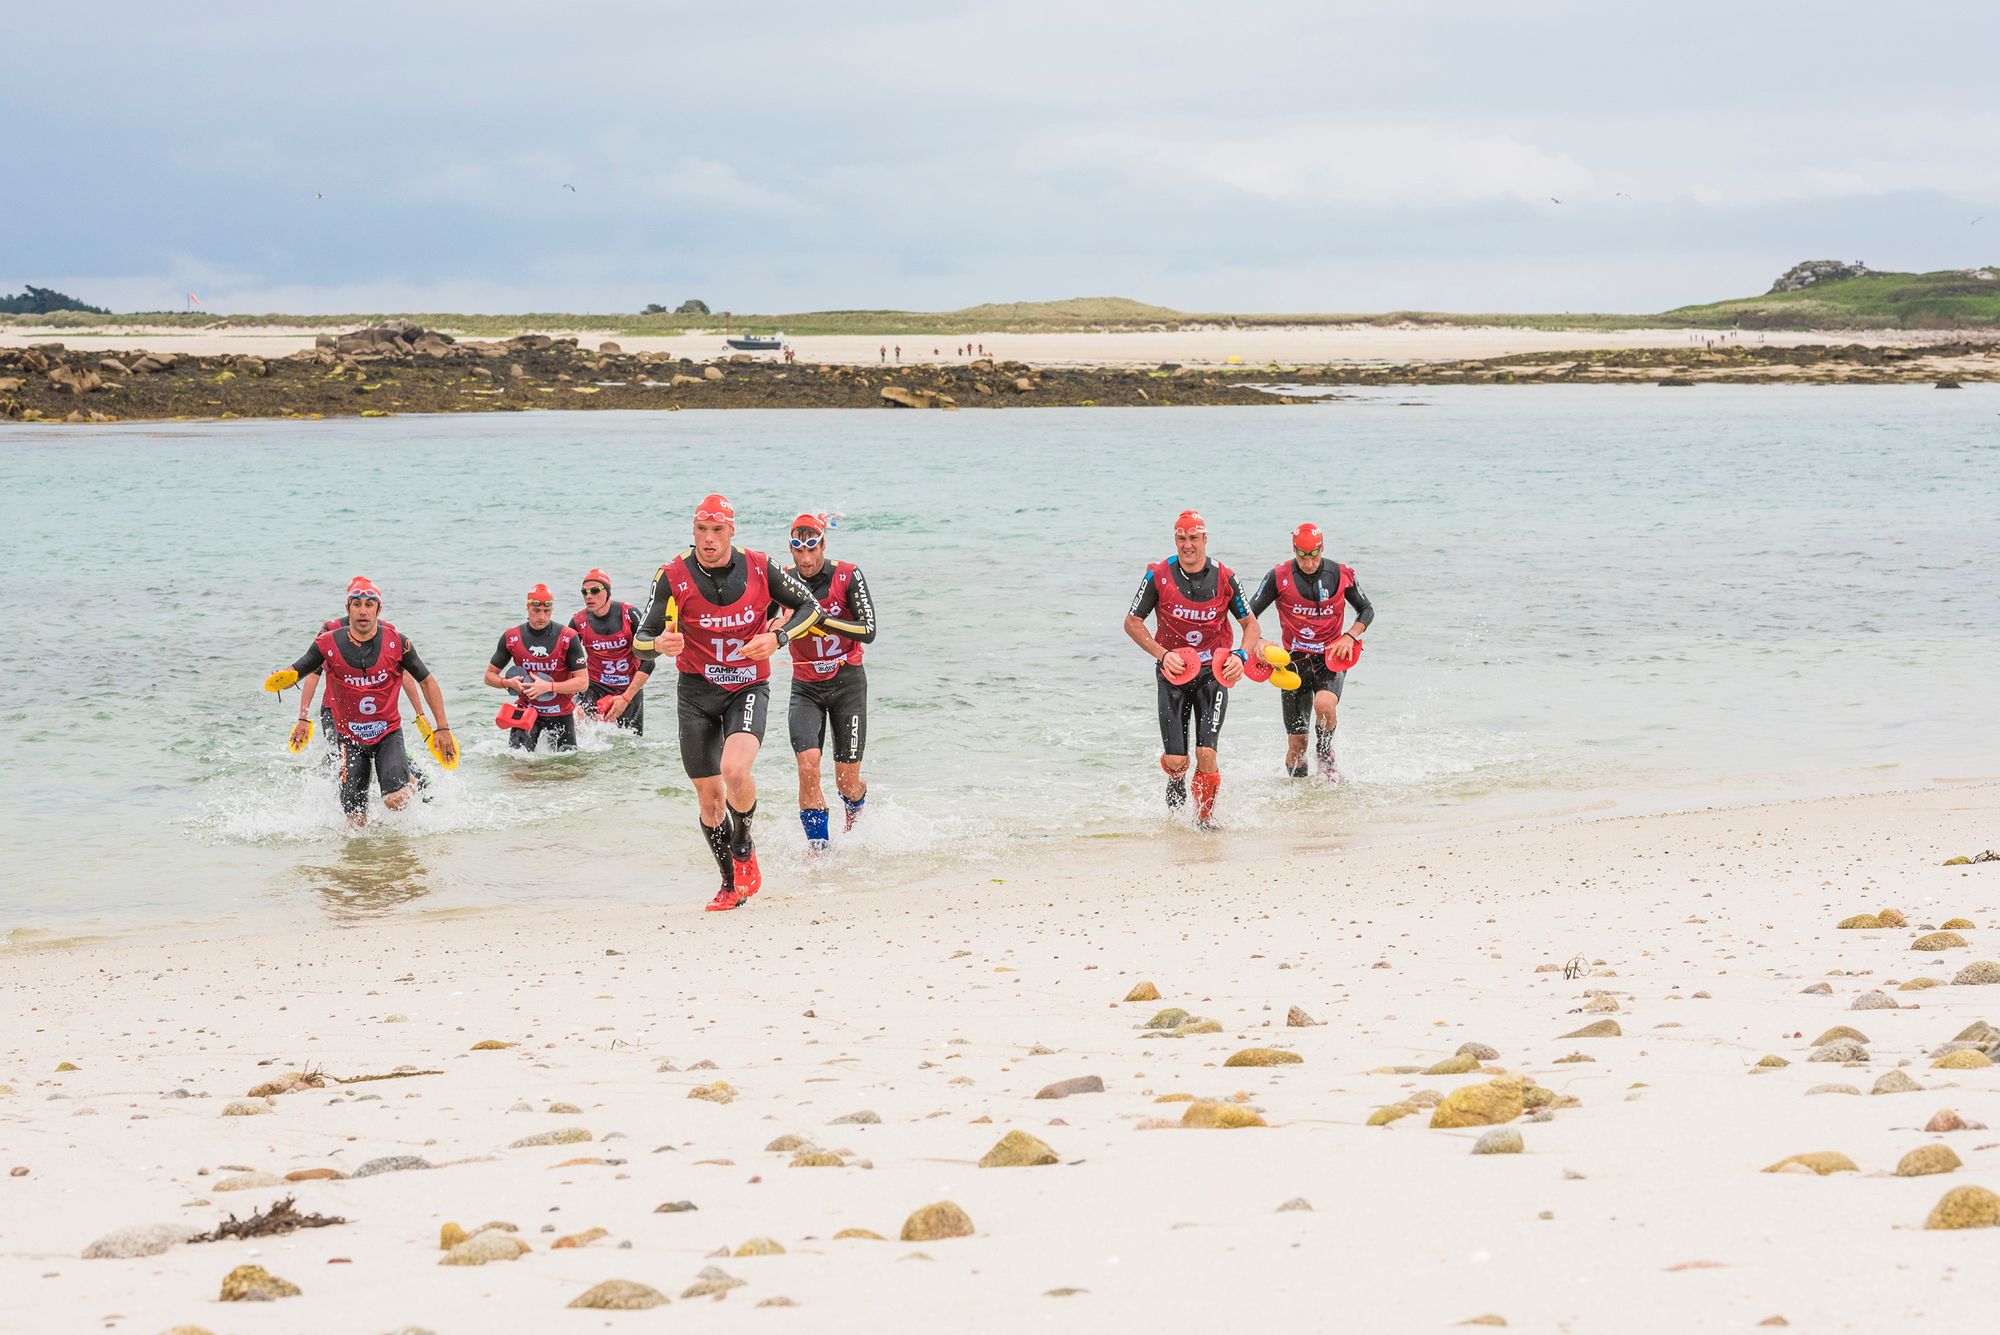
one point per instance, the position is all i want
(619, 1295)
(1488, 1104)
(1927, 1159)
(1819, 1161)
(255, 1284)
(1206, 1116)
(1499, 1140)
(1264, 1057)
(1895, 1082)
(760, 1247)
(942, 1219)
(1081, 1084)
(568, 1135)
(1018, 1149)
(1596, 1029)
(480, 1248)
(1143, 992)
(1966, 1207)
(1938, 941)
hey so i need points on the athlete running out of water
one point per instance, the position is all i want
(548, 666)
(608, 629)
(724, 596)
(1313, 595)
(326, 726)
(829, 685)
(364, 664)
(1192, 599)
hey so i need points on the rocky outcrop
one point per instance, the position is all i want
(1808, 273)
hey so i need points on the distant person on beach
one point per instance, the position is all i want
(364, 664)
(617, 679)
(1191, 600)
(829, 685)
(544, 664)
(885, 354)
(723, 596)
(899, 353)
(1313, 596)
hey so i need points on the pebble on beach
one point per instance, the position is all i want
(1966, 1059)
(1171, 1018)
(1820, 1161)
(391, 1163)
(1207, 1116)
(1966, 1207)
(1082, 1084)
(760, 1247)
(619, 1295)
(1873, 1001)
(712, 1281)
(941, 1219)
(1895, 1082)
(1840, 1050)
(137, 1240)
(480, 1248)
(1596, 1029)
(245, 1108)
(1487, 1104)
(568, 1135)
(1836, 1033)
(1462, 1063)
(1143, 992)
(255, 1284)
(1499, 1140)
(1977, 973)
(1927, 1159)
(1018, 1149)
(1860, 922)
(1938, 941)
(1264, 1057)
(809, 1157)
(1958, 925)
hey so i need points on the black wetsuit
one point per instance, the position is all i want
(841, 700)
(618, 619)
(388, 759)
(562, 727)
(1202, 702)
(710, 713)
(1313, 676)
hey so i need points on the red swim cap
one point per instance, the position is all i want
(540, 594)
(1190, 523)
(363, 587)
(715, 509)
(1307, 538)
(598, 575)
(817, 523)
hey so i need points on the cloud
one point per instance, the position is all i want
(1370, 164)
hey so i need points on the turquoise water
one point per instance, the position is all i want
(1590, 598)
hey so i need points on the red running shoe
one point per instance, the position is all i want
(748, 876)
(725, 899)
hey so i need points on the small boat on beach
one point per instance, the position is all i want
(756, 343)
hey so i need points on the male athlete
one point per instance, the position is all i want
(607, 629)
(1192, 600)
(326, 727)
(364, 663)
(1313, 595)
(548, 665)
(722, 695)
(829, 684)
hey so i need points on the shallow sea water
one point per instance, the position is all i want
(1589, 599)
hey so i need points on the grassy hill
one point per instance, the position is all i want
(1952, 299)
(1949, 299)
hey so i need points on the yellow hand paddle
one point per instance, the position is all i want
(283, 679)
(1285, 679)
(1274, 654)
(298, 744)
(673, 618)
(432, 744)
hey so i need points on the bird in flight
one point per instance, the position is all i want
(1975, 221)
(570, 188)
(318, 195)
(1554, 200)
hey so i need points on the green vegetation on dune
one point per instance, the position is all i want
(1948, 299)
(1852, 299)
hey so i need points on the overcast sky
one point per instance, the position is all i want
(777, 156)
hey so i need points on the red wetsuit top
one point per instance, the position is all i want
(820, 657)
(714, 636)
(552, 663)
(1181, 623)
(609, 657)
(364, 700)
(1308, 627)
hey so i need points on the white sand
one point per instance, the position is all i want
(926, 1006)
(1255, 347)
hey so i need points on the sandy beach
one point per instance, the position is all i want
(1204, 347)
(903, 1033)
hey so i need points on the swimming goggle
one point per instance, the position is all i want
(364, 598)
(537, 605)
(1307, 551)
(806, 544)
(589, 589)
